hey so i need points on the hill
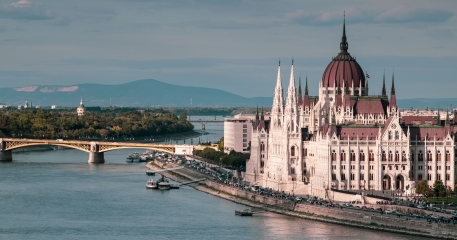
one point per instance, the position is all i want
(150, 92)
(139, 93)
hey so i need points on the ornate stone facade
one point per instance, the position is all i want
(347, 140)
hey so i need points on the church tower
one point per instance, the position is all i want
(290, 112)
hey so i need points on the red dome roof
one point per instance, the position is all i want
(343, 69)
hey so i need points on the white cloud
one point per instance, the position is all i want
(21, 3)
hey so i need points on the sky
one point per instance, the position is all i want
(229, 45)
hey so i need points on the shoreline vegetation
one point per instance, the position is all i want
(112, 124)
(252, 202)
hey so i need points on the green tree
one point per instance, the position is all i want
(422, 187)
(220, 146)
(439, 190)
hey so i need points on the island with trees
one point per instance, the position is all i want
(107, 124)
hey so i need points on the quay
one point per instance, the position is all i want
(367, 220)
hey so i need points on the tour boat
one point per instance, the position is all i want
(164, 186)
(151, 184)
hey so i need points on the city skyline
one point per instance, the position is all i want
(226, 45)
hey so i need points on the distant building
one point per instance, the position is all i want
(53, 107)
(237, 132)
(81, 110)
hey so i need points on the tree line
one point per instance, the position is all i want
(437, 190)
(233, 160)
(40, 123)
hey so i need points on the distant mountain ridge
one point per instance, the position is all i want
(140, 93)
(150, 92)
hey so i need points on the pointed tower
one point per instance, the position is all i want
(300, 99)
(81, 110)
(290, 112)
(384, 94)
(277, 109)
(393, 99)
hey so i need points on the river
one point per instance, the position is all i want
(57, 195)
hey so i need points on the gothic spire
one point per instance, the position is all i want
(306, 85)
(392, 90)
(261, 114)
(384, 94)
(344, 44)
(257, 113)
(299, 86)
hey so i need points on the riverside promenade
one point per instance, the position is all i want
(367, 220)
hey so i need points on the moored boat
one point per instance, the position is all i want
(174, 186)
(151, 184)
(150, 173)
(245, 212)
(164, 186)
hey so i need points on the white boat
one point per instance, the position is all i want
(164, 186)
(150, 173)
(151, 184)
(134, 157)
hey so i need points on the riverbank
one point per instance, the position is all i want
(311, 212)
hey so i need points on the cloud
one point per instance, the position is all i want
(404, 14)
(25, 10)
(400, 14)
(21, 3)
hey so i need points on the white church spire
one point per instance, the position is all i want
(290, 112)
(278, 101)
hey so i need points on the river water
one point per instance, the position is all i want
(57, 195)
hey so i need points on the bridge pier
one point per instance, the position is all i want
(203, 126)
(96, 157)
(6, 155)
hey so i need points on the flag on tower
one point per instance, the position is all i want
(368, 76)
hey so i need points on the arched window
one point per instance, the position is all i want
(262, 146)
(397, 156)
(390, 156)
(352, 155)
(448, 156)
(292, 151)
(343, 156)
(438, 156)
(383, 156)
(390, 135)
(420, 156)
(403, 156)
(429, 156)
(333, 155)
(362, 156)
(412, 156)
(371, 155)
(397, 136)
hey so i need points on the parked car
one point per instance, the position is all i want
(357, 208)
(387, 211)
(397, 212)
(378, 210)
(454, 213)
(452, 204)
(371, 209)
(364, 208)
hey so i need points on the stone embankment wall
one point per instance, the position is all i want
(374, 221)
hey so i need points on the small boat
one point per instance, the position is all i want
(150, 173)
(134, 157)
(164, 186)
(151, 184)
(174, 186)
(245, 212)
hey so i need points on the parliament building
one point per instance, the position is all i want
(345, 139)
